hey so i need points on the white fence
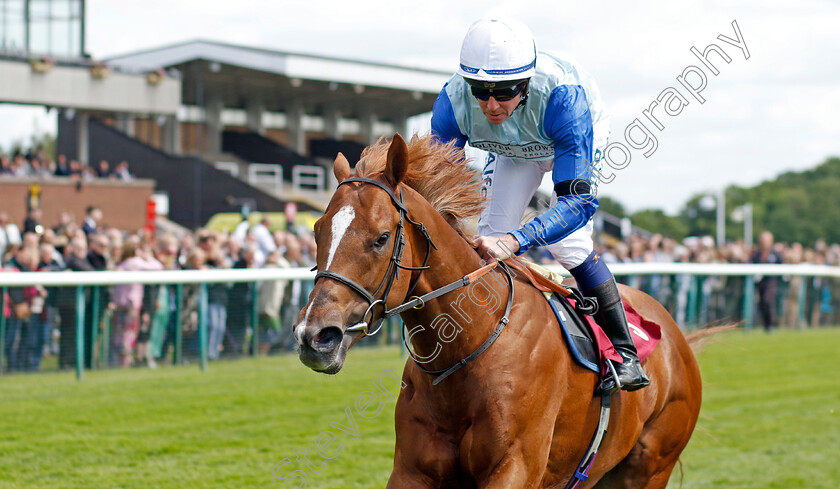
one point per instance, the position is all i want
(54, 279)
(688, 289)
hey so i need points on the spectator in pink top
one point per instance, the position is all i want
(127, 301)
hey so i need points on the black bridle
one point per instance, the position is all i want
(366, 325)
(415, 302)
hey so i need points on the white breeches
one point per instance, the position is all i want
(508, 184)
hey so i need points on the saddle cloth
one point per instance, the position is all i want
(588, 344)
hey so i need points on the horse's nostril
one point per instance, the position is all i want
(327, 338)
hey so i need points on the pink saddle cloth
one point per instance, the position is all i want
(646, 335)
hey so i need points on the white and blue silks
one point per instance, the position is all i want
(563, 128)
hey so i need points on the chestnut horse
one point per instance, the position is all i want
(522, 413)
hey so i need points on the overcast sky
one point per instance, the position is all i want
(773, 112)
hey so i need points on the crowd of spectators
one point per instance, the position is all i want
(36, 164)
(137, 323)
(720, 299)
(141, 320)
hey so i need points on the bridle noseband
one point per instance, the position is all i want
(392, 273)
(366, 325)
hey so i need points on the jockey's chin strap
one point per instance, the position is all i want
(369, 326)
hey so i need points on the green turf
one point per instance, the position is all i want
(771, 413)
(771, 419)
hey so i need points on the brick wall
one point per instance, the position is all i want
(123, 204)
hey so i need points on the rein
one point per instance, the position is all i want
(416, 302)
(446, 372)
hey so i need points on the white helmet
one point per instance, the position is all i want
(496, 50)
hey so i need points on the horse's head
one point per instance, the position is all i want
(356, 241)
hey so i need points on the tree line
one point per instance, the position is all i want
(799, 206)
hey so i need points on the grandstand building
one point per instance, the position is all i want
(276, 119)
(215, 126)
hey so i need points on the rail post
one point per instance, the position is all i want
(202, 326)
(179, 334)
(749, 300)
(94, 328)
(105, 340)
(255, 320)
(800, 303)
(691, 306)
(3, 292)
(80, 331)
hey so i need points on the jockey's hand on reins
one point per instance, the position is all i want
(492, 248)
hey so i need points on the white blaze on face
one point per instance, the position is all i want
(302, 325)
(340, 222)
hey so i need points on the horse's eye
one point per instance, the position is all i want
(382, 240)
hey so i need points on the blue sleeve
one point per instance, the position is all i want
(444, 126)
(570, 213)
(568, 123)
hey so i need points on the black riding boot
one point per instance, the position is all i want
(611, 316)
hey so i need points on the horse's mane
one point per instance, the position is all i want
(437, 171)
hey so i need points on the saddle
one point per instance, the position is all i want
(588, 345)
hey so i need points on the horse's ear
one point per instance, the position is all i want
(397, 162)
(341, 168)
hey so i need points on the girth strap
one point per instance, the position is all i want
(585, 465)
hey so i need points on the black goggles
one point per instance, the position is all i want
(500, 94)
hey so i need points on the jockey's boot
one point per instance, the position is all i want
(611, 316)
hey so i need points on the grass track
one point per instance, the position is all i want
(771, 419)
(771, 413)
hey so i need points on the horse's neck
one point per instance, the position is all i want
(454, 324)
(452, 259)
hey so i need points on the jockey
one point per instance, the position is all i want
(535, 113)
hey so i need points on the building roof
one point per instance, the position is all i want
(279, 78)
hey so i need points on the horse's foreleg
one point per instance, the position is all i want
(515, 470)
(421, 461)
(402, 479)
(512, 473)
